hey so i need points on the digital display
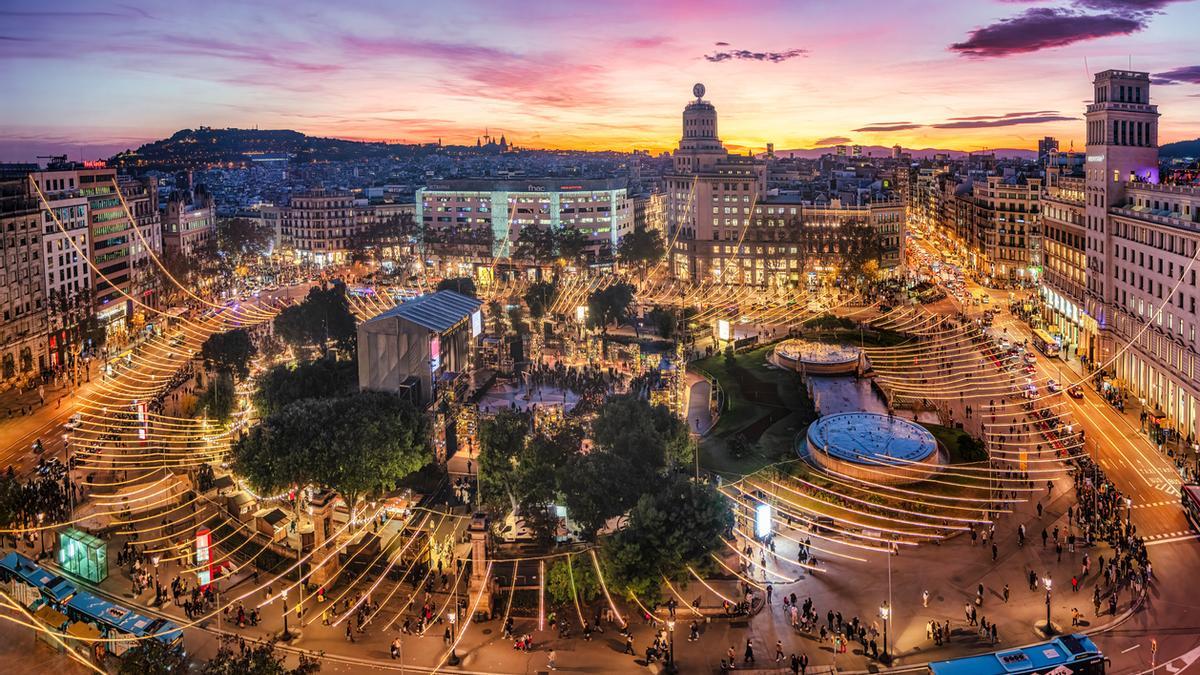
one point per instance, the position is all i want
(435, 353)
(476, 323)
(762, 520)
(723, 329)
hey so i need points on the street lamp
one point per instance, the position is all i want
(42, 533)
(1048, 583)
(671, 645)
(1128, 510)
(453, 658)
(286, 635)
(885, 613)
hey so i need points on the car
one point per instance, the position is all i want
(1075, 391)
(73, 422)
(1003, 343)
(1030, 358)
(987, 299)
(1030, 368)
(1053, 385)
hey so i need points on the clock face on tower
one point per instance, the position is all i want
(698, 90)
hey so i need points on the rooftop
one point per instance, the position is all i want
(437, 311)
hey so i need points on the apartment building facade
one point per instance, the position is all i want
(23, 326)
(319, 226)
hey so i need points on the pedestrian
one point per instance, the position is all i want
(778, 651)
(396, 648)
(1006, 593)
(925, 598)
(748, 657)
(995, 551)
(794, 662)
(550, 658)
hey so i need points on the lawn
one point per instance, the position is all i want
(764, 405)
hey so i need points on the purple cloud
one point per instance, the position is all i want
(1002, 117)
(1044, 28)
(1125, 6)
(747, 55)
(832, 140)
(721, 44)
(1002, 122)
(900, 126)
(1180, 75)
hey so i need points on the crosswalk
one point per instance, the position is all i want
(1168, 535)
(1148, 505)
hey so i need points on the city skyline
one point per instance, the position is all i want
(585, 77)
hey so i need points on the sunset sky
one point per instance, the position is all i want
(610, 74)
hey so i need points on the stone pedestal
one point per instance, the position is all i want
(322, 517)
(478, 530)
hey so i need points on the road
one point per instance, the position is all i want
(1149, 478)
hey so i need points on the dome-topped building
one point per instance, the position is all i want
(699, 147)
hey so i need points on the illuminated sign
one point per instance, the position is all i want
(1095, 158)
(762, 520)
(435, 352)
(476, 322)
(723, 330)
(580, 313)
(203, 556)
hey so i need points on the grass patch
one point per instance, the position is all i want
(763, 409)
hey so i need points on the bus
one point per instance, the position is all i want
(1189, 494)
(34, 586)
(1045, 343)
(1075, 654)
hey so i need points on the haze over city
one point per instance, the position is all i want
(94, 78)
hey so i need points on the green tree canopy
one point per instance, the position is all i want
(649, 436)
(677, 525)
(229, 352)
(321, 378)
(463, 285)
(536, 244)
(220, 398)
(323, 316)
(517, 467)
(571, 244)
(598, 486)
(239, 240)
(358, 444)
(154, 657)
(609, 305)
(258, 658)
(576, 569)
(641, 248)
(539, 297)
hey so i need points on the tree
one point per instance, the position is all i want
(649, 436)
(257, 658)
(154, 657)
(220, 399)
(539, 297)
(323, 316)
(370, 243)
(239, 240)
(229, 352)
(677, 525)
(536, 244)
(596, 487)
(517, 466)
(368, 441)
(463, 285)
(12, 498)
(664, 321)
(571, 244)
(567, 580)
(641, 248)
(609, 305)
(284, 384)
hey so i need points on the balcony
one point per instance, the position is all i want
(1151, 216)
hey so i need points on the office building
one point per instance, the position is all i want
(485, 217)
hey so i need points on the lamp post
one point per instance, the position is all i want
(885, 613)
(157, 587)
(41, 532)
(671, 645)
(1048, 583)
(451, 617)
(70, 480)
(286, 635)
(1128, 511)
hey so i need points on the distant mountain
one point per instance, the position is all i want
(1180, 149)
(922, 153)
(192, 147)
